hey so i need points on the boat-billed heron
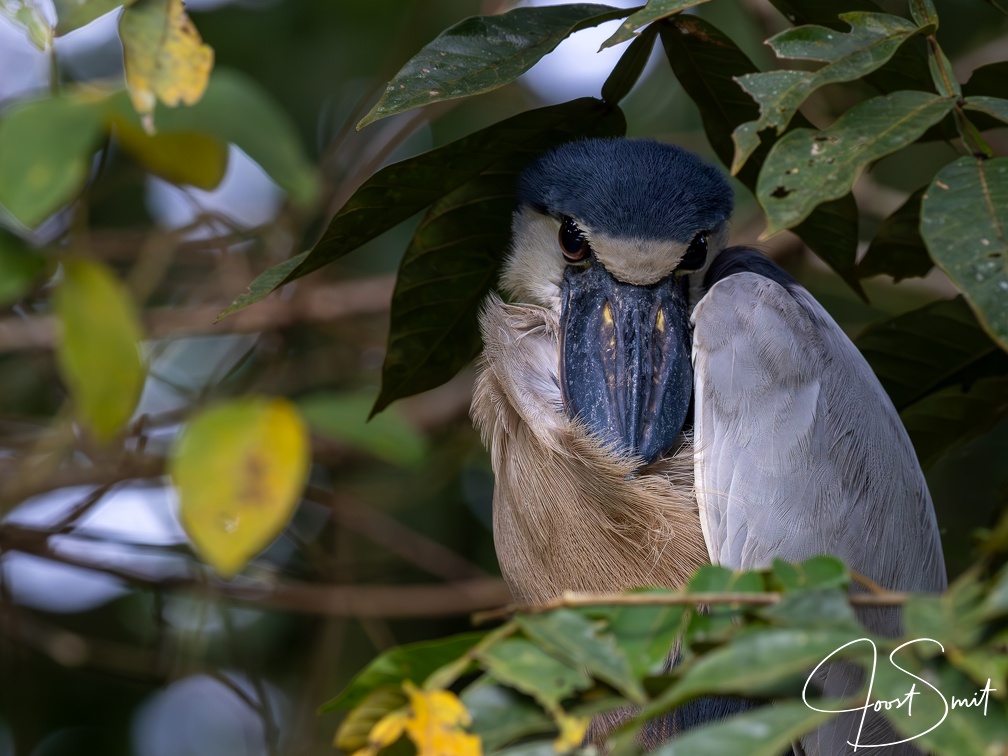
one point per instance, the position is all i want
(653, 401)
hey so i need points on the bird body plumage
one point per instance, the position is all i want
(796, 449)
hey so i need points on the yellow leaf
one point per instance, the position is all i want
(436, 723)
(386, 732)
(239, 469)
(572, 733)
(354, 733)
(164, 55)
(181, 157)
(98, 352)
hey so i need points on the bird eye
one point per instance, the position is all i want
(573, 242)
(696, 255)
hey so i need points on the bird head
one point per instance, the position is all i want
(614, 235)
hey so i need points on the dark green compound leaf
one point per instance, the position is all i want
(402, 189)
(645, 633)
(522, 665)
(935, 346)
(898, 249)
(413, 662)
(767, 731)
(629, 67)
(964, 217)
(813, 608)
(483, 53)
(706, 62)
(952, 416)
(806, 167)
(953, 619)
(577, 640)
(870, 43)
(655, 10)
(454, 260)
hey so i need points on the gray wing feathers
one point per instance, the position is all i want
(799, 450)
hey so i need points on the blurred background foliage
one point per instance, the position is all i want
(114, 637)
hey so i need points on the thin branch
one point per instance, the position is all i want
(570, 600)
(316, 304)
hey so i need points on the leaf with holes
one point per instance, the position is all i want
(98, 351)
(165, 58)
(707, 62)
(964, 217)
(483, 53)
(239, 469)
(655, 10)
(806, 167)
(872, 40)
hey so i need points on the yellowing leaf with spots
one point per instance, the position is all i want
(436, 724)
(239, 469)
(164, 55)
(98, 351)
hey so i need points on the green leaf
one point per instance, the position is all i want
(575, 639)
(907, 69)
(646, 634)
(952, 619)
(951, 417)
(525, 667)
(21, 267)
(483, 53)
(768, 731)
(898, 249)
(807, 167)
(996, 601)
(629, 67)
(179, 157)
(707, 62)
(449, 267)
(73, 14)
(239, 468)
(814, 608)
(501, 716)
(945, 82)
(713, 578)
(236, 109)
(98, 351)
(456, 251)
(817, 572)
(964, 215)
(872, 40)
(926, 349)
(46, 148)
(923, 13)
(655, 10)
(264, 284)
(757, 663)
(995, 107)
(402, 189)
(413, 662)
(344, 417)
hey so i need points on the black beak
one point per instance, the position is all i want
(625, 359)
